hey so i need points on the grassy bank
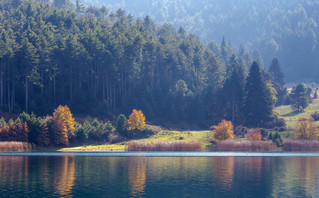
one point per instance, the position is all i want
(202, 137)
(291, 117)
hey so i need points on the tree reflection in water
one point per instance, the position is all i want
(137, 175)
(64, 175)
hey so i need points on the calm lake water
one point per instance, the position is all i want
(148, 175)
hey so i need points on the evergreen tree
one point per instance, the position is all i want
(277, 77)
(258, 102)
(233, 92)
(298, 98)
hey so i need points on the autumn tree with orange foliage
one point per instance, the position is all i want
(136, 120)
(224, 131)
(14, 132)
(254, 134)
(60, 132)
(306, 129)
(64, 114)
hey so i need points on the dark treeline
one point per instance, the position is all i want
(103, 64)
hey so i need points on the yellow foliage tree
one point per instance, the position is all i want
(136, 120)
(273, 93)
(223, 131)
(306, 129)
(60, 132)
(63, 113)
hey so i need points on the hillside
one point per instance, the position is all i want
(291, 117)
(284, 29)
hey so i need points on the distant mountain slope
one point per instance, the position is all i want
(286, 29)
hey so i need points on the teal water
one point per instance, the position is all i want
(159, 174)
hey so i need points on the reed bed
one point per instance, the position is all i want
(249, 146)
(301, 145)
(164, 146)
(15, 146)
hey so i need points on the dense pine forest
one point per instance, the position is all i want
(101, 63)
(287, 29)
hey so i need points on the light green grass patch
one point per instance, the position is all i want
(201, 136)
(292, 117)
(103, 147)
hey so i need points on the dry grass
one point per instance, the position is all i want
(164, 146)
(15, 146)
(301, 145)
(254, 146)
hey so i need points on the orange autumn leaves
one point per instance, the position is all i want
(136, 120)
(224, 131)
(63, 125)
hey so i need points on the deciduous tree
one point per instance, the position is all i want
(224, 131)
(254, 134)
(306, 129)
(136, 120)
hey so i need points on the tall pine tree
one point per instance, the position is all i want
(258, 102)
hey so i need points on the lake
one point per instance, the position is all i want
(159, 175)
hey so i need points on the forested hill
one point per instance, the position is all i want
(100, 64)
(103, 64)
(287, 29)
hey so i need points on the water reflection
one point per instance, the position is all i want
(64, 171)
(75, 176)
(137, 175)
(223, 171)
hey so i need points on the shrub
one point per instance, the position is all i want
(306, 129)
(301, 145)
(270, 136)
(254, 134)
(81, 133)
(114, 138)
(277, 139)
(136, 120)
(275, 122)
(240, 131)
(164, 146)
(315, 116)
(256, 146)
(264, 133)
(223, 131)
(121, 124)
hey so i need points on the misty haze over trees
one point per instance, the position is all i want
(287, 29)
(103, 63)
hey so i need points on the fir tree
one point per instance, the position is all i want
(277, 77)
(258, 102)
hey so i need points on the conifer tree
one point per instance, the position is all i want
(298, 98)
(258, 102)
(277, 77)
(233, 91)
